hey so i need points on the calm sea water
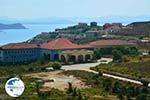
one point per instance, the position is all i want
(20, 35)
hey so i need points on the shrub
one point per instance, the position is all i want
(125, 59)
(56, 65)
(117, 55)
(31, 69)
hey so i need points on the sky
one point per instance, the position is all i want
(73, 8)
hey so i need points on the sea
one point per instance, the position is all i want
(21, 35)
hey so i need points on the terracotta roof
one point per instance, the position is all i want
(18, 46)
(62, 43)
(110, 42)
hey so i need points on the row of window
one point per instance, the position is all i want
(20, 57)
(20, 51)
(18, 60)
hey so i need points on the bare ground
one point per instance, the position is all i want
(60, 80)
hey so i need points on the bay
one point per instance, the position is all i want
(20, 35)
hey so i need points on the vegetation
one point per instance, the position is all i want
(117, 53)
(56, 65)
(133, 66)
(103, 87)
(97, 54)
(100, 87)
(136, 29)
(70, 88)
(6, 70)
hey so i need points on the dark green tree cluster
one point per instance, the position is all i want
(74, 94)
(126, 91)
(56, 65)
(97, 55)
(117, 55)
(117, 52)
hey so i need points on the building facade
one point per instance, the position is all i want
(24, 52)
(19, 53)
(54, 50)
(60, 49)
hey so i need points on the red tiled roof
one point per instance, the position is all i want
(110, 42)
(19, 46)
(62, 43)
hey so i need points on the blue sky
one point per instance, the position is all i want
(72, 8)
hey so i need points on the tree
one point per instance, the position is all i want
(80, 97)
(100, 73)
(130, 91)
(116, 87)
(133, 51)
(117, 55)
(137, 91)
(144, 82)
(38, 84)
(74, 92)
(70, 88)
(141, 97)
(120, 96)
(96, 79)
(125, 59)
(56, 65)
(107, 84)
(71, 58)
(97, 54)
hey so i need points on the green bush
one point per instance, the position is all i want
(117, 55)
(56, 65)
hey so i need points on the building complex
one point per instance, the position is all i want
(60, 49)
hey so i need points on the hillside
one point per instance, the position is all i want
(76, 32)
(11, 26)
(136, 29)
(136, 67)
(83, 32)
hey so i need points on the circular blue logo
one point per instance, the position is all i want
(14, 87)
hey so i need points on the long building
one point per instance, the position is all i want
(60, 49)
(19, 52)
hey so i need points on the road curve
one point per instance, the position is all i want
(86, 67)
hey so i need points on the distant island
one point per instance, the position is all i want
(12, 26)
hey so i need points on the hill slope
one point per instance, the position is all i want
(136, 29)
